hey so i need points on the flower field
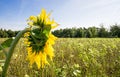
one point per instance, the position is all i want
(74, 57)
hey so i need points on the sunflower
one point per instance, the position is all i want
(39, 40)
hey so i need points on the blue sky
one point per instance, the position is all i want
(68, 13)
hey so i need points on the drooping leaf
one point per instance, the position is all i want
(6, 43)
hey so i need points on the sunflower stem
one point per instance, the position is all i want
(9, 55)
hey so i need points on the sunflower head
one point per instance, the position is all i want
(40, 40)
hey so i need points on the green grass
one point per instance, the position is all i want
(74, 57)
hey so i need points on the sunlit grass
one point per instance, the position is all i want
(74, 57)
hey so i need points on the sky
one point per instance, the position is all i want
(67, 13)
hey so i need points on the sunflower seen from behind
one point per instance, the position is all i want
(39, 40)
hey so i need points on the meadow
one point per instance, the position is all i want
(74, 57)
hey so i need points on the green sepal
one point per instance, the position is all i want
(39, 36)
(37, 44)
(6, 43)
(46, 33)
(46, 30)
(36, 33)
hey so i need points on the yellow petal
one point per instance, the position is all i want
(30, 23)
(33, 18)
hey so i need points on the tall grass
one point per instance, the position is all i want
(74, 57)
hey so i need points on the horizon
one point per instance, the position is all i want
(68, 13)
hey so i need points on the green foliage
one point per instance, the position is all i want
(91, 32)
(115, 31)
(103, 32)
(7, 33)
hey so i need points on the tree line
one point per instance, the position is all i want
(7, 33)
(90, 32)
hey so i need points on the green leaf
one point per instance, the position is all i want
(6, 43)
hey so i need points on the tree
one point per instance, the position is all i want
(115, 30)
(102, 32)
(79, 32)
(11, 33)
(92, 31)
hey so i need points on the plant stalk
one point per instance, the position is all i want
(11, 50)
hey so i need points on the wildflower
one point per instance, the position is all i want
(26, 75)
(39, 40)
(0, 69)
